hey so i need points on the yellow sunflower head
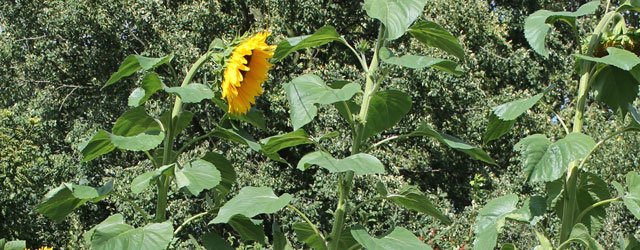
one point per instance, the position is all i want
(247, 68)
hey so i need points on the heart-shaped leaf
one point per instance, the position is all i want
(491, 219)
(399, 239)
(197, 175)
(360, 164)
(61, 201)
(114, 233)
(321, 37)
(396, 15)
(250, 202)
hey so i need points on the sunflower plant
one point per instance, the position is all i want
(609, 74)
(368, 108)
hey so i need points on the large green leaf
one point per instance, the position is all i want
(620, 58)
(227, 173)
(181, 122)
(133, 63)
(420, 62)
(238, 137)
(360, 164)
(503, 116)
(632, 197)
(491, 219)
(592, 189)
(531, 212)
(386, 109)
(142, 182)
(321, 37)
(580, 234)
(538, 24)
(250, 202)
(276, 143)
(197, 175)
(306, 234)
(135, 130)
(453, 142)
(433, 35)
(151, 83)
(545, 161)
(307, 91)
(114, 233)
(61, 201)
(99, 144)
(616, 88)
(249, 230)
(396, 15)
(399, 239)
(629, 243)
(192, 93)
(411, 198)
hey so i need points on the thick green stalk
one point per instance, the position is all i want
(165, 181)
(345, 180)
(571, 182)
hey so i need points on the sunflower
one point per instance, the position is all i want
(246, 70)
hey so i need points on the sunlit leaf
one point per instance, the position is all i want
(411, 198)
(396, 15)
(307, 91)
(321, 37)
(632, 197)
(196, 176)
(538, 24)
(142, 182)
(250, 202)
(151, 83)
(61, 201)
(420, 62)
(491, 219)
(133, 63)
(453, 142)
(192, 93)
(360, 164)
(114, 233)
(399, 239)
(619, 58)
(580, 234)
(503, 116)
(99, 144)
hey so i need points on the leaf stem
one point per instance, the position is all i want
(595, 205)
(192, 218)
(354, 209)
(306, 219)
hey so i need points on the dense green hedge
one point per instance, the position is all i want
(55, 55)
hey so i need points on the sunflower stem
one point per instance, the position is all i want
(165, 180)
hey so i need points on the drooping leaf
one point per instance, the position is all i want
(592, 189)
(399, 239)
(453, 142)
(249, 230)
(545, 161)
(386, 109)
(213, 241)
(503, 116)
(99, 144)
(321, 37)
(135, 130)
(433, 35)
(619, 58)
(396, 15)
(420, 62)
(192, 93)
(196, 176)
(142, 182)
(360, 164)
(114, 233)
(616, 88)
(580, 234)
(538, 24)
(250, 202)
(227, 173)
(411, 198)
(276, 143)
(236, 136)
(61, 201)
(133, 63)
(491, 219)
(151, 83)
(307, 91)
(306, 234)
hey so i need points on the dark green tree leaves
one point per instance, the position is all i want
(396, 15)
(61, 201)
(538, 24)
(307, 91)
